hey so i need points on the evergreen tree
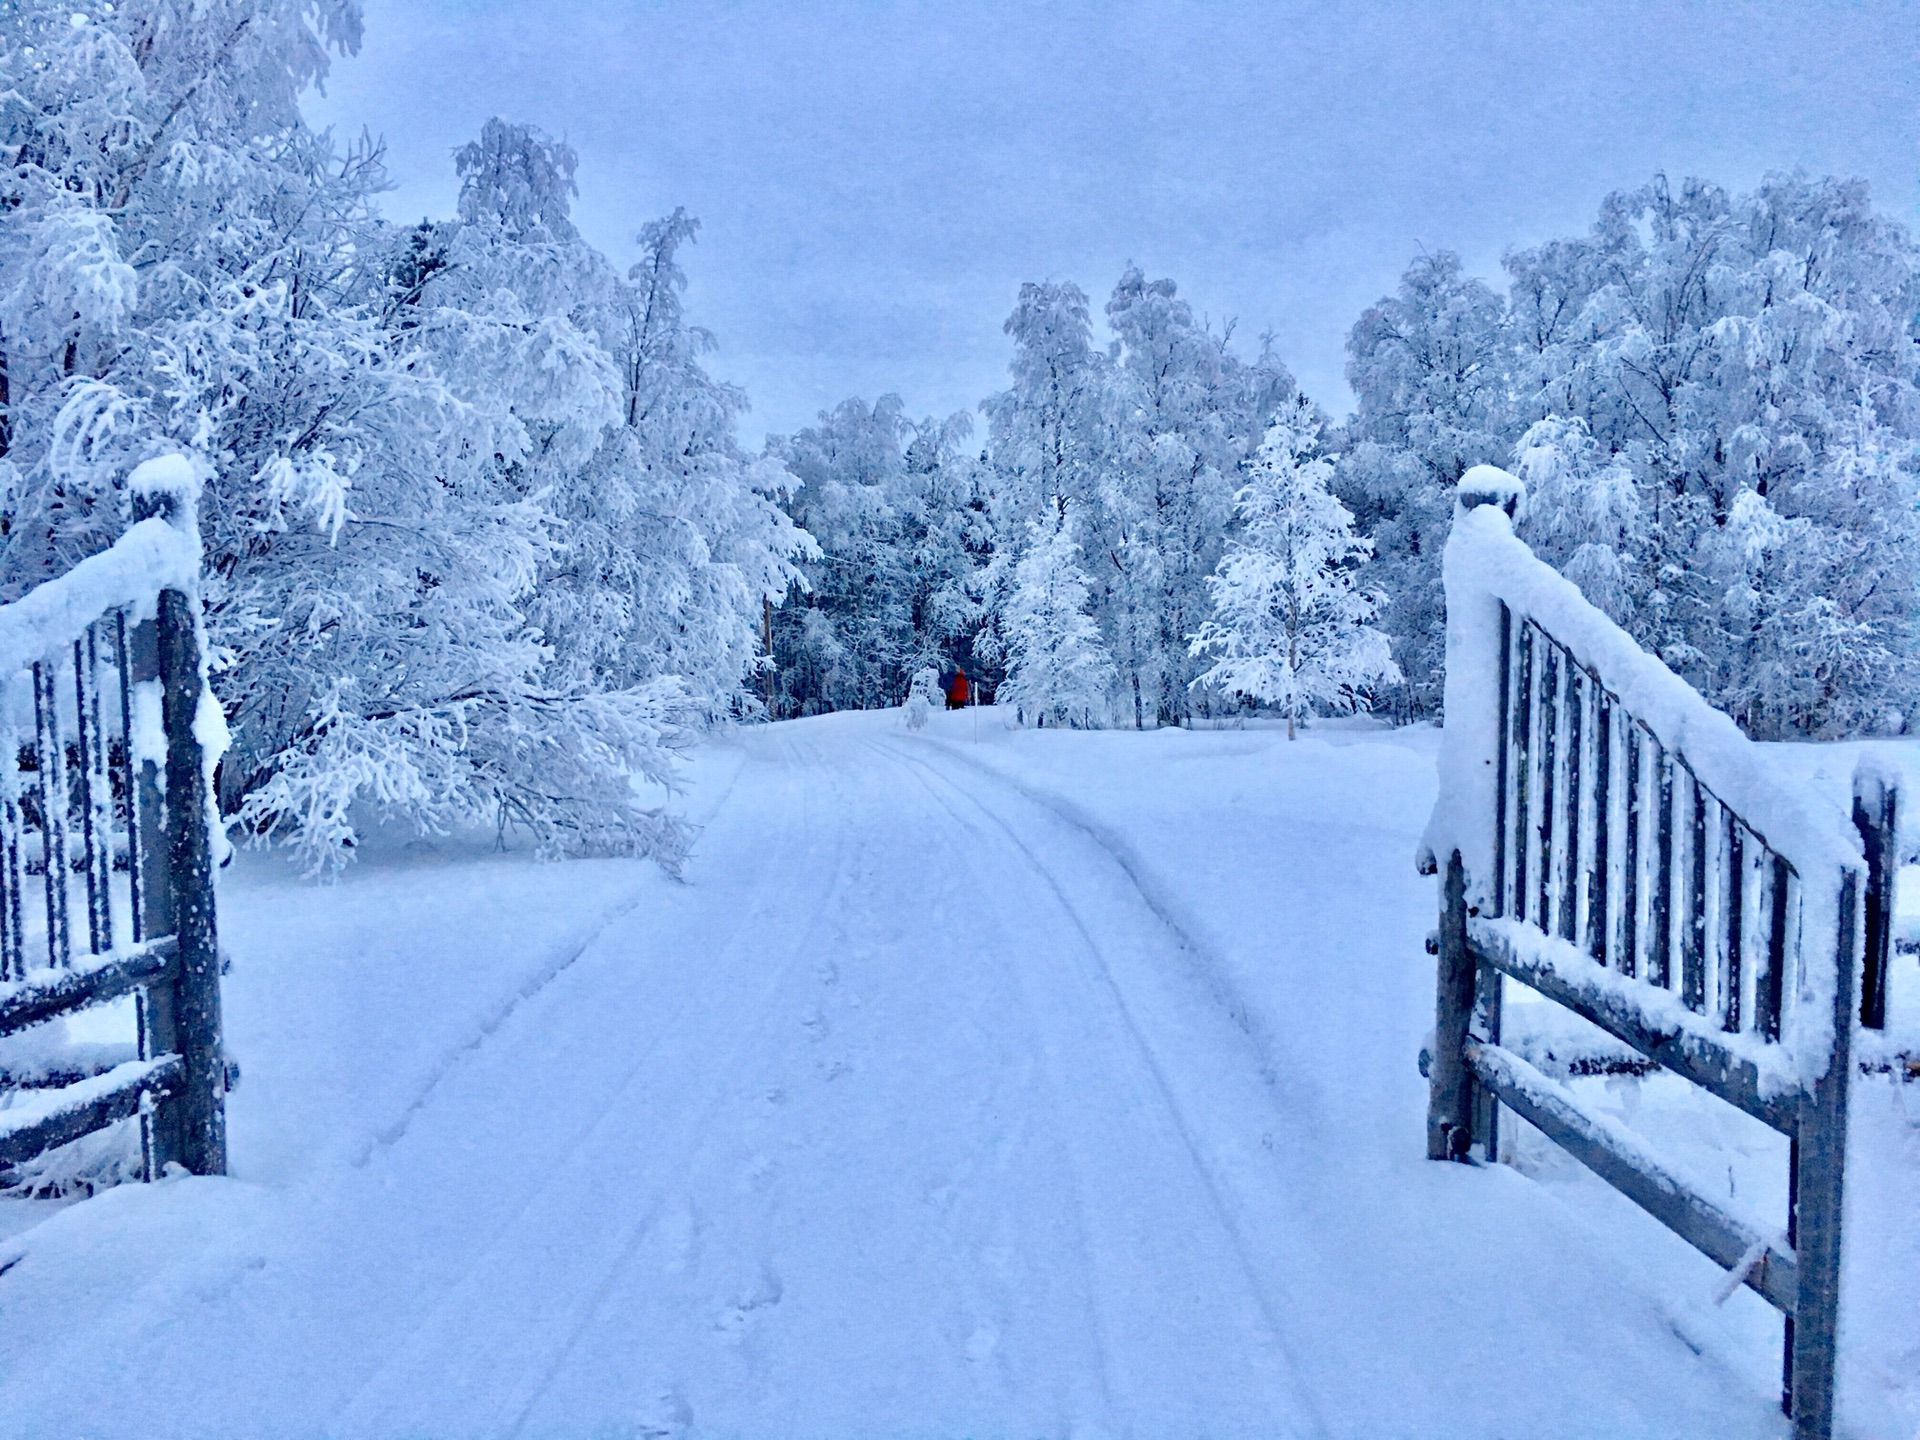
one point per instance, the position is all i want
(1290, 622)
(1058, 668)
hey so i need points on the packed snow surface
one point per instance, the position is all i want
(973, 1082)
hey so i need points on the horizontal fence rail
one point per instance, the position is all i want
(1611, 842)
(106, 846)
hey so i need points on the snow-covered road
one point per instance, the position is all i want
(1040, 1086)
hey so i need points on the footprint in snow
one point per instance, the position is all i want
(733, 1319)
(664, 1417)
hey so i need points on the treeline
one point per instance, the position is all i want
(482, 545)
(1711, 396)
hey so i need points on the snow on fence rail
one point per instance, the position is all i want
(106, 845)
(1612, 841)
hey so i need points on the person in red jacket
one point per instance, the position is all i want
(958, 691)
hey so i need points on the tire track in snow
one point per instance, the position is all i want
(1103, 1360)
(1292, 1108)
(628, 1249)
(1203, 1168)
(559, 964)
(670, 1146)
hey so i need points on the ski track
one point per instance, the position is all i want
(1091, 948)
(921, 1109)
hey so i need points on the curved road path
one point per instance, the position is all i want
(909, 1115)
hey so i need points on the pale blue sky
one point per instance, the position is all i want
(875, 181)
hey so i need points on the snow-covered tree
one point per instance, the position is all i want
(1143, 442)
(1748, 365)
(1715, 399)
(1428, 370)
(413, 571)
(902, 524)
(1291, 621)
(1058, 668)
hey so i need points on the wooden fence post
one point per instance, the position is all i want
(1814, 1223)
(190, 1128)
(159, 1030)
(1450, 1102)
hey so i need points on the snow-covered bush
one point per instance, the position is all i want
(923, 698)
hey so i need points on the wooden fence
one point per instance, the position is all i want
(1609, 840)
(106, 865)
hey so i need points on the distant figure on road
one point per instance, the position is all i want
(958, 691)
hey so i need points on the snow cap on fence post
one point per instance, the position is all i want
(1490, 485)
(1463, 813)
(167, 486)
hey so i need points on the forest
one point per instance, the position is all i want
(483, 545)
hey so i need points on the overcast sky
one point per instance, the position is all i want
(875, 181)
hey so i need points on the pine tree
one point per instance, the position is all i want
(1290, 622)
(1058, 667)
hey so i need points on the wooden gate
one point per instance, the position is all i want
(1610, 840)
(106, 863)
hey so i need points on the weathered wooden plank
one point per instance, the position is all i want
(1523, 781)
(1819, 1163)
(159, 1035)
(1875, 809)
(1767, 985)
(1549, 734)
(1599, 926)
(1736, 899)
(1450, 1093)
(200, 1103)
(1570, 886)
(59, 1116)
(91, 982)
(1550, 1108)
(51, 774)
(1660, 917)
(1690, 1056)
(1500, 776)
(1630, 859)
(1693, 939)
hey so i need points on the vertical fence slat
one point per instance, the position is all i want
(1660, 912)
(1570, 877)
(1875, 810)
(1769, 984)
(51, 795)
(1693, 940)
(123, 663)
(1523, 777)
(1736, 907)
(1599, 928)
(13, 862)
(94, 793)
(1549, 735)
(1500, 778)
(1630, 933)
